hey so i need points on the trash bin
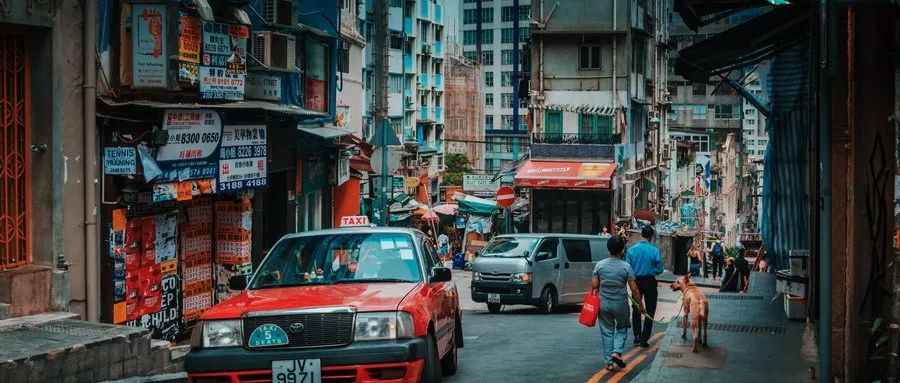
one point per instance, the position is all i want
(459, 261)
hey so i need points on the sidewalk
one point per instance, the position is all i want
(668, 277)
(750, 340)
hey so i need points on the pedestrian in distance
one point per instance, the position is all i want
(731, 279)
(611, 281)
(646, 262)
(604, 234)
(743, 269)
(695, 259)
(717, 253)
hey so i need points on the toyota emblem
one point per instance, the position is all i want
(495, 272)
(296, 328)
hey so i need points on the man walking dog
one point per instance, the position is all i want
(647, 263)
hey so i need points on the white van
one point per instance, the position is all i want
(543, 270)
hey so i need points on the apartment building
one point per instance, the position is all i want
(465, 108)
(489, 38)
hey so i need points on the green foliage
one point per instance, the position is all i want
(457, 165)
(687, 160)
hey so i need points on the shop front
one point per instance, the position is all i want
(568, 197)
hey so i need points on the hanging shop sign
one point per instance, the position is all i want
(242, 158)
(261, 86)
(223, 62)
(148, 53)
(191, 151)
(120, 160)
(480, 183)
(189, 41)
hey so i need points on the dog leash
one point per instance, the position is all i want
(636, 304)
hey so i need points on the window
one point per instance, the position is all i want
(507, 57)
(547, 250)
(396, 3)
(470, 37)
(763, 142)
(594, 125)
(725, 111)
(488, 78)
(507, 122)
(507, 35)
(488, 99)
(488, 122)
(553, 122)
(487, 57)
(749, 112)
(471, 55)
(395, 83)
(506, 78)
(589, 57)
(577, 250)
(495, 144)
(345, 60)
(509, 144)
(751, 122)
(487, 36)
(698, 112)
(469, 16)
(509, 13)
(489, 164)
(506, 100)
(524, 34)
(699, 90)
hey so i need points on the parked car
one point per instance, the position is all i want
(543, 270)
(355, 304)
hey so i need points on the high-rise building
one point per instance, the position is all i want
(465, 108)
(488, 38)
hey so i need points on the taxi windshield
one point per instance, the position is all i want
(340, 258)
(508, 247)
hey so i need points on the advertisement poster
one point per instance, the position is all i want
(191, 151)
(149, 61)
(188, 39)
(242, 158)
(223, 61)
(164, 323)
(261, 86)
(119, 160)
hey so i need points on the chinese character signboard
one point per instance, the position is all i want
(223, 62)
(191, 151)
(263, 87)
(120, 160)
(189, 40)
(148, 55)
(242, 159)
(483, 183)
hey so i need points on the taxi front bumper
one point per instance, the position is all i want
(373, 361)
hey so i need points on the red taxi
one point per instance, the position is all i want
(359, 304)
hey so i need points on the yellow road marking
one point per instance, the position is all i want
(629, 354)
(618, 376)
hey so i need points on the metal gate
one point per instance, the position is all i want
(15, 161)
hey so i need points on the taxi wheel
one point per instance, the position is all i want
(548, 300)
(494, 308)
(431, 373)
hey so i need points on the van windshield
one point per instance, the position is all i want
(507, 247)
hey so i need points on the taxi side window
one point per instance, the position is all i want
(431, 258)
(547, 250)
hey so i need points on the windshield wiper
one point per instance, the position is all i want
(374, 280)
(297, 284)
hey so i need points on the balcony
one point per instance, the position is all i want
(409, 26)
(408, 64)
(423, 10)
(438, 115)
(576, 138)
(439, 81)
(423, 80)
(424, 113)
(438, 49)
(574, 146)
(438, 16)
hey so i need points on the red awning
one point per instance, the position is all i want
(566, 175)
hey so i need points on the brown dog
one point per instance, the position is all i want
(693, 302)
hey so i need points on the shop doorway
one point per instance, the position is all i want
(274, 212)
(15, 159)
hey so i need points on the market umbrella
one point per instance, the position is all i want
(446, 209)
(427, 214)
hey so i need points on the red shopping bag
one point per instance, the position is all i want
(590, 310)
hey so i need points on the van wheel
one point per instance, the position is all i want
(494, 308)
(548, 300)
(431, 371)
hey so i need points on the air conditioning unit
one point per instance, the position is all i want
(278, 12)
(410, 101)
(275, 50)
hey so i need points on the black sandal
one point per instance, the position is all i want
(618, 361)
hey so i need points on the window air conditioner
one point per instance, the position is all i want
(275, 50)
(278, 12)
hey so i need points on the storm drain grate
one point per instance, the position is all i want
(745, 328)
(72, 329)
(735, 297)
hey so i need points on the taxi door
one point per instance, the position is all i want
(439, 298)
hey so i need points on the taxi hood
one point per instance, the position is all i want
(361, 296)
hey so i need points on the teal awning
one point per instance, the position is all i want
(324, 132)
(474, 205)
(425, 149)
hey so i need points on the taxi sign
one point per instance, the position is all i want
(354, 221)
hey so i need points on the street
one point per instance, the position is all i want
(520, 344)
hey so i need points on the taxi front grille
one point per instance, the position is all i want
(319, 329)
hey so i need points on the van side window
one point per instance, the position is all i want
(547, 250)
(577, 250)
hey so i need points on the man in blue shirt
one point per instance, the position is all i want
(647, 263)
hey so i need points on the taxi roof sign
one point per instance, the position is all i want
(355, 221)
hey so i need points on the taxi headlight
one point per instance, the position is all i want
(383, 325)
(221, 333)
(522, 277)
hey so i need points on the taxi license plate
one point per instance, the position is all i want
(493, 298)
(297, 371)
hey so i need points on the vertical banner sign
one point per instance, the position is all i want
(189, 40)
(242, 160)
(192, 149)
(148, 53)
(316, 86)
(223, 63)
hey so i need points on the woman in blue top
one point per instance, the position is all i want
(612, 278)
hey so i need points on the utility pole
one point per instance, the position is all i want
(380, 53)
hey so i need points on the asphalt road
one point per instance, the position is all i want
(522, 345)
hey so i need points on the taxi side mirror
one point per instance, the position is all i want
(440, 274)
(238, 282)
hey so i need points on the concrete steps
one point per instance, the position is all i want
(55, 347)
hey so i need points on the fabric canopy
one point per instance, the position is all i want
(566, 175)
(474, 205)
